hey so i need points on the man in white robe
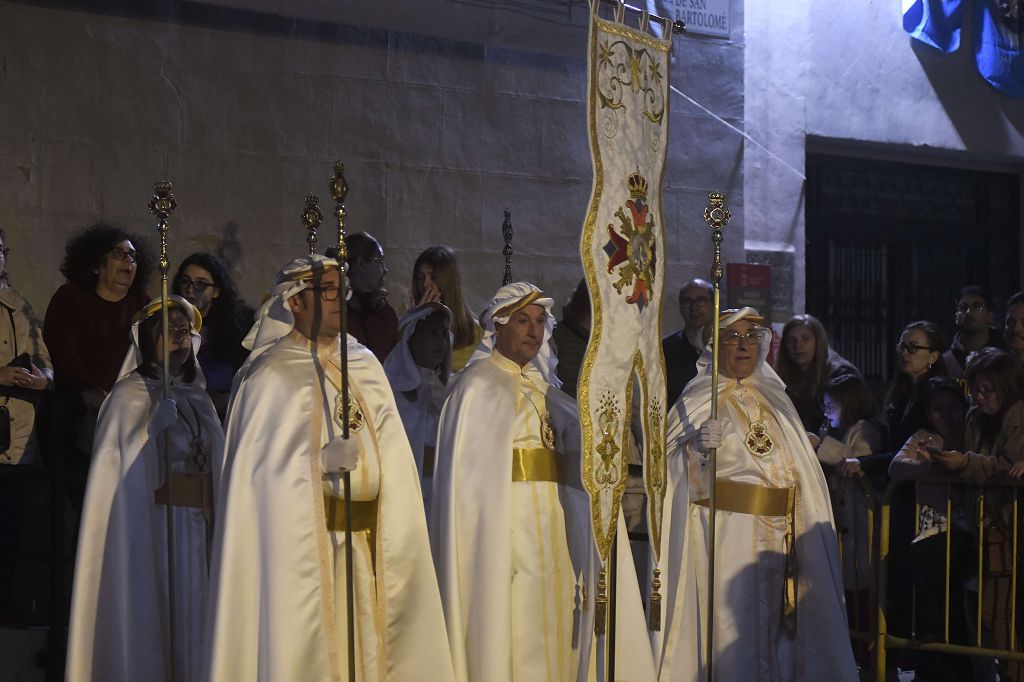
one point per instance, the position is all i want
(510, 524)
(279, 591)
(779, 613)
(418, 369)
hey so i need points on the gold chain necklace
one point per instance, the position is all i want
(758, 441)
(547, 430)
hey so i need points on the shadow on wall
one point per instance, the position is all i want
(978, 111)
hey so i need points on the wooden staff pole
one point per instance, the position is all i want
(717, 216)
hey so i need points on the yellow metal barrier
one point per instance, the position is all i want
(984, 523)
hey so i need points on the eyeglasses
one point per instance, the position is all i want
(197, 286)
(124, 254)
(733, 338)
(326, 293)
(910, 348)
(978, 307)
(699, 302)
(4, 250)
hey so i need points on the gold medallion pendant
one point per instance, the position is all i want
(356, 418)
(547, 432)
(758, 440)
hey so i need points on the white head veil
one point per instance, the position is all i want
(401, 369)
(506, 301)
(133, 359)
(763, 373)
(274, 319)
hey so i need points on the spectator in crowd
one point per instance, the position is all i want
(1013, 328)
(945, 407)
(88, 330)
(436, 279)
(974, 330)
(995, 424)
(418, 370)
(205, 282)
(805, 363)
(25, 374)
(570, 337)
(371, 319)
(919, 358)
(683, 347)
(851, 435)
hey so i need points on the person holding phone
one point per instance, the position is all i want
(25, 374)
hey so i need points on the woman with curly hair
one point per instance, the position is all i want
(205, 282)
(88, 329)
(435, 279)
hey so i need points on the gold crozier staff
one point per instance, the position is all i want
(162, 205)
(717, 216)
(339, 190)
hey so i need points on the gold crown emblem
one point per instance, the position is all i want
(637, 185)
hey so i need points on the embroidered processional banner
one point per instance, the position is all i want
(623, 254)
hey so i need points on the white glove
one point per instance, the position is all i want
(710, 435)
(340, 454)
(164, 416)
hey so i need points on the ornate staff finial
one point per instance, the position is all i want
(506, 233)
(311, 219)
(162, 205)
(717, 216)
(339, 190)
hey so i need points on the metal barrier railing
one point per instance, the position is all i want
(995, 509)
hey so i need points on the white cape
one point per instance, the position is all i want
(273, 583)
(747, 647)
(119, 616)
(471, 526)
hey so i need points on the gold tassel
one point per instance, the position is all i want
(655, 605)
(601, 610)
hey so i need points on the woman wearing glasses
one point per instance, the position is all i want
(918, 359)
(88, 329)
(205, 282)
(778, 612)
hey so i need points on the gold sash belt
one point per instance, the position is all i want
(364, 519)
(535, 464)
(187, 490)
(747, 498)
(364, 514)
(757, 500)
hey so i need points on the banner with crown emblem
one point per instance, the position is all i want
(623, 254)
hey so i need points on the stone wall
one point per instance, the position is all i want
(245, 112)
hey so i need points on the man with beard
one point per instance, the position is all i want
(974, 330)
(371, 319)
